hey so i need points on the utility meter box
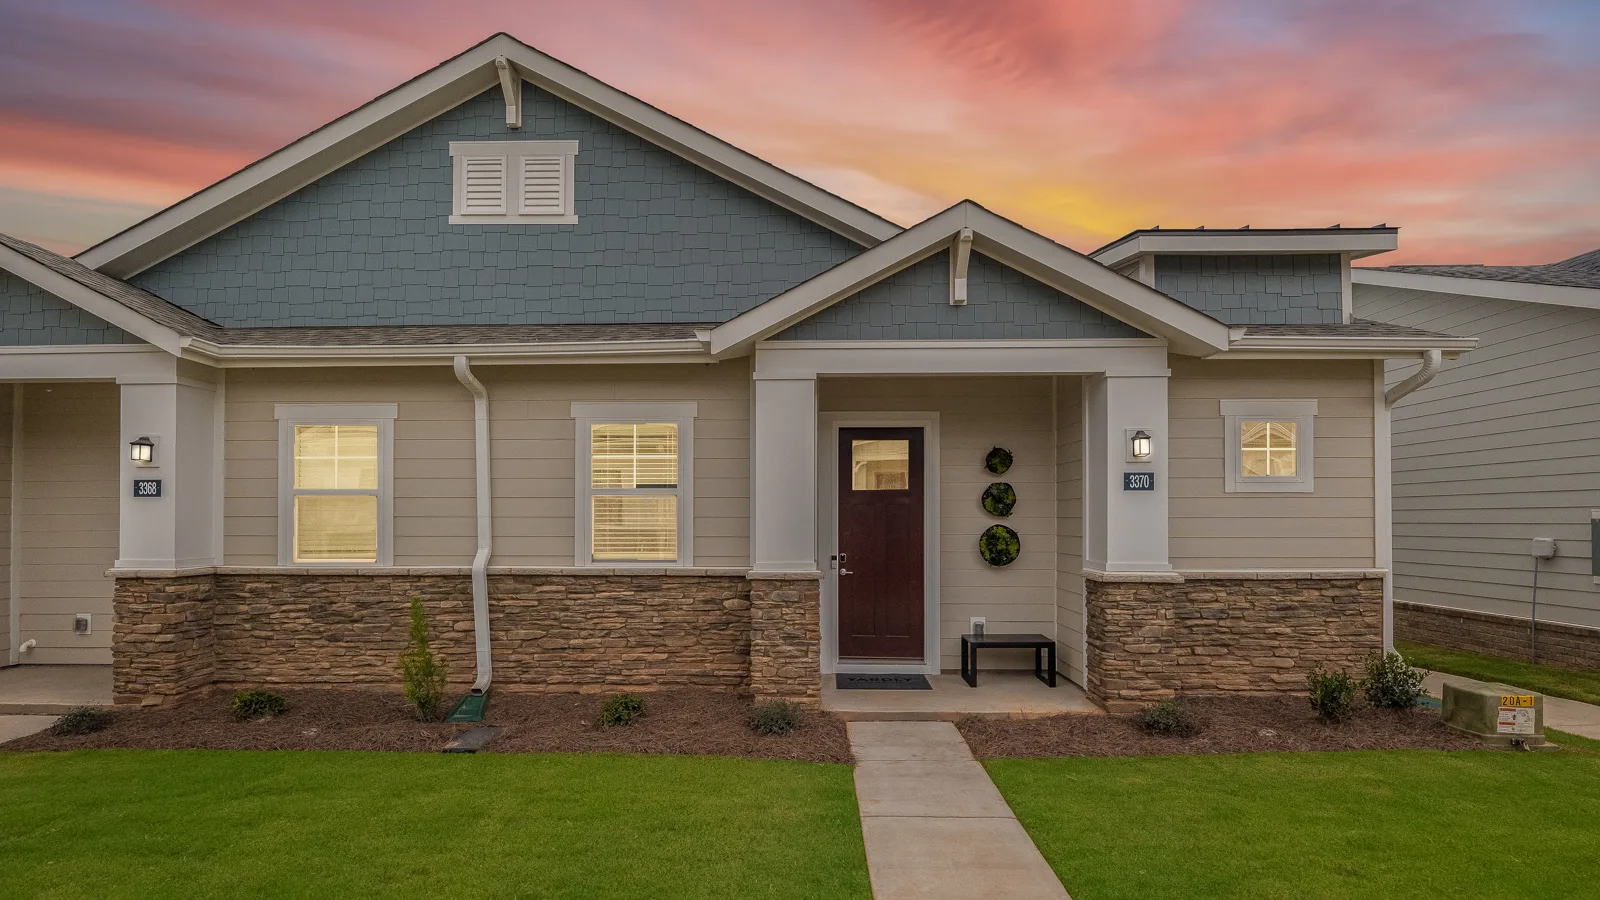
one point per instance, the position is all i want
(1498, 713)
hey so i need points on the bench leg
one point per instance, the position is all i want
(1052, 660)
(969, 665)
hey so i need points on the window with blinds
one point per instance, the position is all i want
(510, 182)
(634, 492)
(335, 493)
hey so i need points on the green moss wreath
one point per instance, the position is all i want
(999, 546)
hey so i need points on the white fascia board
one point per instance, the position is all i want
(1356, 243)
(1325, 347)
(90, 301)
(1554, 295)
(269, 355)
(134, 363)
(788, 360)
(417, 101)
(1188, 331)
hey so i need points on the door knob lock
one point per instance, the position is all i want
(844, 571)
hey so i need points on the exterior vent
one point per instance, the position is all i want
(483, 185)
(544, 184)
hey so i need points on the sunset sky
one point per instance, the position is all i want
(1472, 124)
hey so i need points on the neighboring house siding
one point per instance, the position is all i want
(1332, 528)
(976, 414)
(68, 500)
(1069, 528)
(1256, 290)
(6, 418)
(1501, 447)
(532, 445)
(658, 240)
(914, 304)
(32, 316)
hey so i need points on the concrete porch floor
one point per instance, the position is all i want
(52, 690)
(997, 693)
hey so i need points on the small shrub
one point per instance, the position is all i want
(1332, 694)
(83, 720)
(775, 717)
(1173, 717)
(257, 704)
(621, 710)
(1391, 682)
(421, 670)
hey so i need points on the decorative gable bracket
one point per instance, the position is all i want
(960, 254)
(511, 86)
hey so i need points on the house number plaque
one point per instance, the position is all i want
(147, 487)
(1138, 481)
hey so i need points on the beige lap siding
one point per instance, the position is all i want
(532, 444)
(1069, 527)
(1332, 527)
(68, 499)
(975, 414)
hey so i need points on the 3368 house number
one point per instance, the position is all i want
(147, 487)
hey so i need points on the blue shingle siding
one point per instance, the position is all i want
(1297, 289)
(914, 304)
(30, 316)
(658, 240)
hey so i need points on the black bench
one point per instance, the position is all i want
(1044, 654)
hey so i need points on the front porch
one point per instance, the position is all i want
(1006, 693)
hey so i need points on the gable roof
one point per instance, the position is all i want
(1186, 329)
(1581, 271)
(441, 88)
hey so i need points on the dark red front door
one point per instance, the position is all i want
(880, 543)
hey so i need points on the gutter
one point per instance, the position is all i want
(212, 353)
(1432, 362)
(480, 562)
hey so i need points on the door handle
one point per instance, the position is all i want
(844, 571)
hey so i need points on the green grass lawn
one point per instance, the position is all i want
(196, 824)
(1573, 685)
(1411, 824)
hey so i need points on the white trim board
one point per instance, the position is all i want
(829, 424)
(1357, 242)
(441, 88)
(1555, 295)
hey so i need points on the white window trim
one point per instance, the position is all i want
(586, 415)
(291, 414)
(513, 153)
(1301, 412)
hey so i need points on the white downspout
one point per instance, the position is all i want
(480, 562)
(1432, 360)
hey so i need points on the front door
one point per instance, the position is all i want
(880, 543)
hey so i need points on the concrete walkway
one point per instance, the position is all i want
(32, 690)
(1581, 719)
(13, 727)
(935, 825)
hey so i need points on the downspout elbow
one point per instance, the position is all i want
(480, 560)
(1432, 361)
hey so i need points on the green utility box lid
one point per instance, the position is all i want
(1498, 713)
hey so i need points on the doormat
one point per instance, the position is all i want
(882, 683)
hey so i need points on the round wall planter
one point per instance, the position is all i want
(998, 461)
(999, 499)
(999, 546)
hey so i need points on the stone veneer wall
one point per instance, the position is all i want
(553, 632)
(786, 637)
(1567, 646)
(1216, 634)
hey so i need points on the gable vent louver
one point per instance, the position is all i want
(484, 185)
(543, 186)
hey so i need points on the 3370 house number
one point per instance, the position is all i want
(1138, 481)
(147, 487)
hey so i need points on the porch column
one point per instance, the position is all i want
(176, 529)
(1126, 524)
(783, 475)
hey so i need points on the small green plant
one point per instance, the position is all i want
(1332, 694)
(1174, 717)
(421, 669)
(257, 704)
(621, 710)
(83, 720)
(775, 717)
(1391, 682)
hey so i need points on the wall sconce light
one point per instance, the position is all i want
(142, 451)
(1139, 444)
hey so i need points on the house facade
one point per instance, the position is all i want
(627, 406)
(1499, 450)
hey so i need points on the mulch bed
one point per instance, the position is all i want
(681, 721)
(1229, 725)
